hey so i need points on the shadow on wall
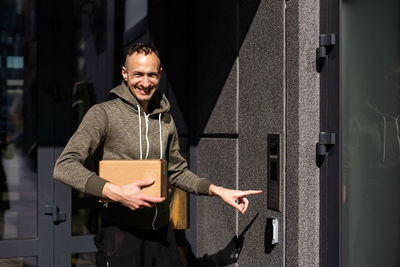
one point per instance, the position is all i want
(198, 43)
(225, 256)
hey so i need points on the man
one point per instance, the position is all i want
(136, 124)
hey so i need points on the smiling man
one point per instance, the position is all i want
(142, 73)
(135, 229)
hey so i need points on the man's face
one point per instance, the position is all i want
(143, 74)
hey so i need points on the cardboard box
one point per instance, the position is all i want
(122, 172)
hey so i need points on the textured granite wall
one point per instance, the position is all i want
(217, 159)
(302, 187)
(224, 118)
(250, 106)
(217, 223)
(272, 87)
(261, 112)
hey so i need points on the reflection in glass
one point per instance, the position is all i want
(18, 262)
(90, 34)
(371, 133)
(84, 260)
(18, 174)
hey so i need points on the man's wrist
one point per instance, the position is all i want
(214, 190)
(109, 191)
(105, 193)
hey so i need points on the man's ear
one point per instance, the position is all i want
(124, 73)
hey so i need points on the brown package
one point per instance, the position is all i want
(122, 172)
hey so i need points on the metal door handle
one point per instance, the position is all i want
(54, 210)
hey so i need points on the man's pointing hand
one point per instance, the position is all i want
(236, 198)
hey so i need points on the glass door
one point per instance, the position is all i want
(25, 167)
(42, 222)
(360, 103)
(370, 133)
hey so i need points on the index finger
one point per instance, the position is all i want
(249, 192)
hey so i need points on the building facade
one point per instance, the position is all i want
(300, 99)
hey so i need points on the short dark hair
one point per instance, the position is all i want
(141, 48)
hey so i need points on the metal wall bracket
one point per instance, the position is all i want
(326, 42)
(326, 142)
(54, 211)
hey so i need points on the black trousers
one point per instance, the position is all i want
(123, 246)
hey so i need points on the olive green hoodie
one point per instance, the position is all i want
(119, 129)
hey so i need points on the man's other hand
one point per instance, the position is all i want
(231, 196)
(131, 195)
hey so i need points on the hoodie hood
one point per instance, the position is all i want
(158, 103)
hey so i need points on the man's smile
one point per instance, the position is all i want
(144, 91)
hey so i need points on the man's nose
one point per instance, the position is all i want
(146, 81)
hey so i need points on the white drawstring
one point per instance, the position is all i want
(154, 219)
(159, 124)
(140, 133)
(147, 132)
(148, 148)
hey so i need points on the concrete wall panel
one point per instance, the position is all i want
(216, 222)
(277, 86)
(261, 111)
(223, 118)
(302, 134)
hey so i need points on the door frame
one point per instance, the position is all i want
(43, 244)
(330, 122)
